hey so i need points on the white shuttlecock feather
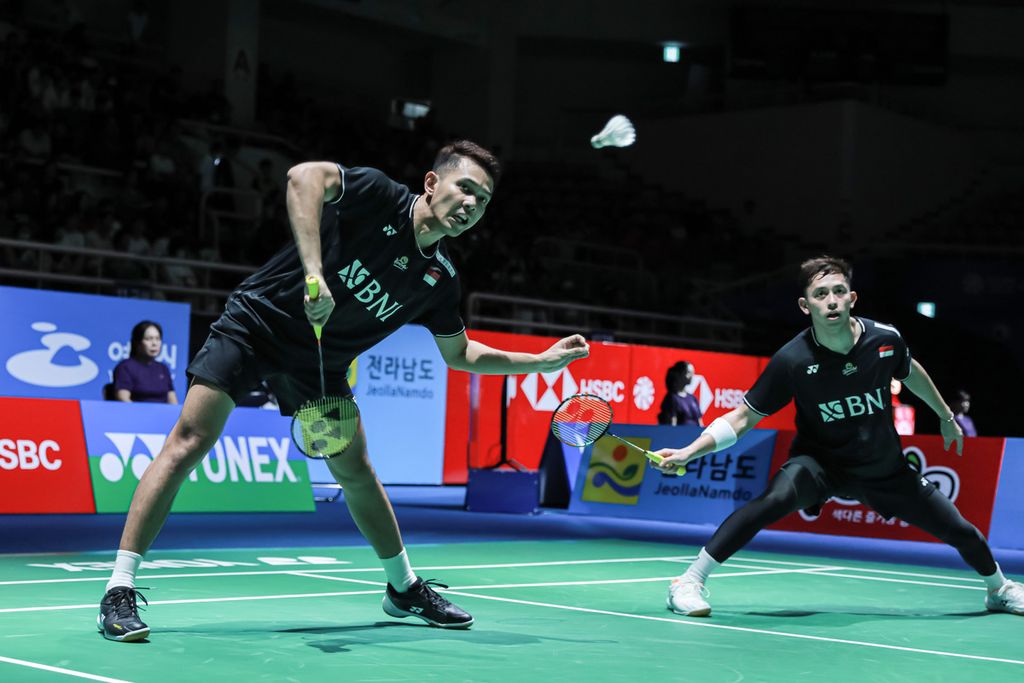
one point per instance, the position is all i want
(618, 132)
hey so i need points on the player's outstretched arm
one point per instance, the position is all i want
(721, 433)
(310, 184)
(924, 388)
(462, 353)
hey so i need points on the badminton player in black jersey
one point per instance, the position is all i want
(838, 372)
(378, 252)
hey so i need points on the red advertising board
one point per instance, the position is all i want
(631, 377)
(970, 481)
(44, 466)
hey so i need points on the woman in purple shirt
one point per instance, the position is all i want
(679, 407)
(141, 378)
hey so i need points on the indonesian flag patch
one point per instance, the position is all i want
(885, 351)
(433, 274)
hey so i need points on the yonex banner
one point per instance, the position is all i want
(400, 385)
(253, 467)
(43, 467)
(969, 481)
(65, 345)
(615, 480)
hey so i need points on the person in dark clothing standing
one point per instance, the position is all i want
(838, 372)
(378, 253)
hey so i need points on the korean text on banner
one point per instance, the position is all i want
(401, 386)
(616, 480)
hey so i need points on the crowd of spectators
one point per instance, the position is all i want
(93, 153)
(68, 113)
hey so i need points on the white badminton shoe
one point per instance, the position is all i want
(1009, 598)
(686, 597)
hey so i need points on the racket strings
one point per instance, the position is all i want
(581, 420)
(326, 426)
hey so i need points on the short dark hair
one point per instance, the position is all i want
(823, 265)
(139, 331)
(448, 158)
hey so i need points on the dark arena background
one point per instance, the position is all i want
(146, 148)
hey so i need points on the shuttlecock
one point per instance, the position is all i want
(618, 132)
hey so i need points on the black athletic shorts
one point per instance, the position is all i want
(233, 366)
(888, 496)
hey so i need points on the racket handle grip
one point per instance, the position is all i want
(313, 289)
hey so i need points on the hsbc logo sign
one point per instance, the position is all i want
(26, 454)
(706, 396)
(544, 390)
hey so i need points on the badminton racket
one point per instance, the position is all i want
(324, 427)
(582, 419)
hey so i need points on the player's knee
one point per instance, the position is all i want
(188, 443)
(778, 500)
(352, 469)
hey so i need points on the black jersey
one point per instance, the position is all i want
(843, 401)
(378, 275)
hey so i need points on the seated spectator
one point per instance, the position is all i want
(679, 407)
(141, 378)
(961, 403)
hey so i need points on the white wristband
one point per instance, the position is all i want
(722, 432)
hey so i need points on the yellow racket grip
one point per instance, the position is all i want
(313, 289)
(656, 459)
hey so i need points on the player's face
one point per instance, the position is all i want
(829, 300)
(458, 196)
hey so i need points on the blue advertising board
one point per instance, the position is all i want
(253, 466)
(1006, 530)
(66, 345)
(401, 387)
(615, 480)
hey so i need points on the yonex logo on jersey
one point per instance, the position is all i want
(849, 369)
(354, 275)
(402, 262)
(812, 369)
(389, 231)
(852, 406)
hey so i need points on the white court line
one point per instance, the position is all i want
(93, 605)
(57, 669)
(844, 575)
(781, 634)
(591, 582)
(864, 569)
(508, 565)
(51, 608)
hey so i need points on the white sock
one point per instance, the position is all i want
(995, 581)
(126, 566)
(399, 572)
(701, 567)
